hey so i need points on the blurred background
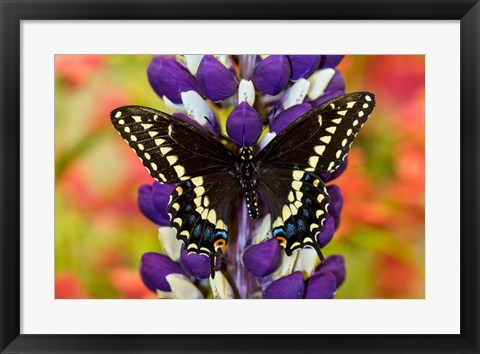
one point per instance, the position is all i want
(100, 233)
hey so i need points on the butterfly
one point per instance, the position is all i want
(208, 176)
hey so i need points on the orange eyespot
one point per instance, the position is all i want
(179, 190)
(220, 243)
(282, 241)
(315, 182)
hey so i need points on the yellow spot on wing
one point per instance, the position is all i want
(319, 149)
(326, 139)
(165, 150)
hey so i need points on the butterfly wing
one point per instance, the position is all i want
(199, 210)
(288, 167)
(176, 152)
(298, 203)
(320, 139)
(170, 149)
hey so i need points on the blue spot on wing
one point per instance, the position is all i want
(290, 230)
(279, 231)
(305, 213)
(208, 234)
(221, 233)
(301, 226)
(197, 231)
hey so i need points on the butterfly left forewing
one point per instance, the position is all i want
(170, 149)
(320, 139)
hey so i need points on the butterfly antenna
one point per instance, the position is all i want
(316, 247)
(210, 122)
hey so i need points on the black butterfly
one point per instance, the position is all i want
(209, 176)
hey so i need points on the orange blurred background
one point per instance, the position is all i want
(100, 234)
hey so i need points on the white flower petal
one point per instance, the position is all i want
(222, 59)
(164, 294)
(319, 82)
(263, 230)
(306, 262)
(266, 139)
(287, 264)
(168, 240)
(246, 92)
(221, 288)
(196, 107)
(297, 93)
(182, 288)
(192, 62)
(177, 107)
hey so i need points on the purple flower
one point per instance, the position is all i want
(244, 125)
(153, 200)
(263, 258)
(331, 61)
(327, 177)
(326, 235)
(196, 264)
(290, 287)
(303, 65)
(327, 96)
(170, 78)
(272, 74)
(336, 203)
(154, 268)
(321, 286)
(288, 116)
(279, 88)
(336, 266)
(247, 65)
(214, 79)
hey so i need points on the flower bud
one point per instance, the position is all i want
(244, 126)
(214, 79)
(272, 74)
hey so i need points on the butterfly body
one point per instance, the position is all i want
(208, 176)
(248, 180)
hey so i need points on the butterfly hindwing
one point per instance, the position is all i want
(199, 209)
(298, 202)
(171, 149)
(320, 139)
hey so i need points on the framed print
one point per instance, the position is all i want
(184, 177)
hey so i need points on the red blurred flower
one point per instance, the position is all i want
(77, 69)
(69, 286)
(129, 284)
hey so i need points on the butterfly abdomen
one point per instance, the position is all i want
(248, 181)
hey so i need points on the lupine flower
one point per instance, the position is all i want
(254, 93)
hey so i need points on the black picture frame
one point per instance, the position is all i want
(14, 11)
